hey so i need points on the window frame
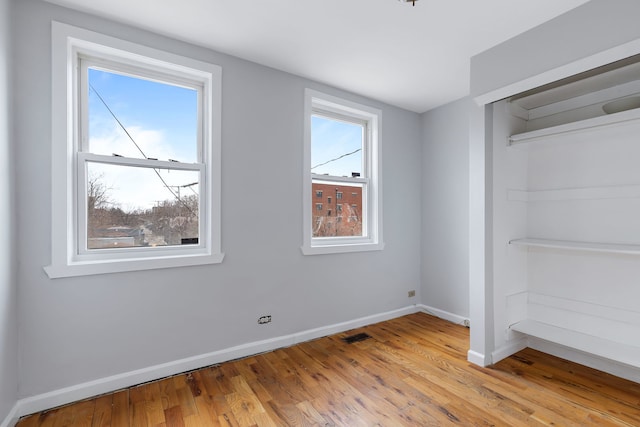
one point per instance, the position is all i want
(83, 159)
(70, 47)
(318, 103)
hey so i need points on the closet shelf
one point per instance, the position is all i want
(631, 191)
(579, 246)
(575, 127)
(624, 353)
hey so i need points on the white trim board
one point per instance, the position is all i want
(451, 317)
(596, 362)
(630, 191)
(558, 350)
(581, 126)
(510, 348)
(478, 358)
(12, 417)
(615, 248)
(576, 67)
(52, 399)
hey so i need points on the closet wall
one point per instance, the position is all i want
(566, 217)
(555, 266)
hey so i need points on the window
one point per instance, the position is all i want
(318, 206)
(319, 194)
(341, 155)
(136, 172)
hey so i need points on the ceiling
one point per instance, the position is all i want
(414, 57)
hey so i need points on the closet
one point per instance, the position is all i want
(565, 208)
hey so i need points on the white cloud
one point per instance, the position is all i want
(133, 187)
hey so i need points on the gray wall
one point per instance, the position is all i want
(445, 207)
(79, 329)
(8, 286)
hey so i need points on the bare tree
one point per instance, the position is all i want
(97, 193)
(98, 202)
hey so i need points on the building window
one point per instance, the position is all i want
(318, 206)
(341, 155)
(338, 208)
(319, 194)
(132, 190)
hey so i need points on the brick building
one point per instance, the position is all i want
(336, 210)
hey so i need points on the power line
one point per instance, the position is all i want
(141, 152)
(337, 158)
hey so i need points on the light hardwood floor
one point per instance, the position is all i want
(411, 372)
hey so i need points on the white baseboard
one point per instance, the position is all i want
(511, 347)
(451, 317)
(52, 399)
(612, 367)
(12, 417)
(478, 358)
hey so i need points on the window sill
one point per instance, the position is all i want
(341, 248)
(87, 268)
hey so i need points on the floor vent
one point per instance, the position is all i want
(356, 338)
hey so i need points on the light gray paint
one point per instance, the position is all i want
(588, 29)
(391, 38)
(445, 207)
(80, 329)
(8, 284)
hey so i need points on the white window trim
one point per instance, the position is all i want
(314, 100)
(66, 259)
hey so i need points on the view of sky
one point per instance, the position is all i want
(336, 147)
(161, 119)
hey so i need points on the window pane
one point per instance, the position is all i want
(336, 147)
(161, 119)
(346, 220)
(132, 206)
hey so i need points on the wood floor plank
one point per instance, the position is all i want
(173, 417)
(412, 371)
(168, 394)
(120, 409)
(102, 413)
(186, 401)
(83, 413)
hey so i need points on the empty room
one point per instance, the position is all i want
(319, 213)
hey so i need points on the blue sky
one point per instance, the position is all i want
(146, 105)
(331, 139)
(161, 118)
